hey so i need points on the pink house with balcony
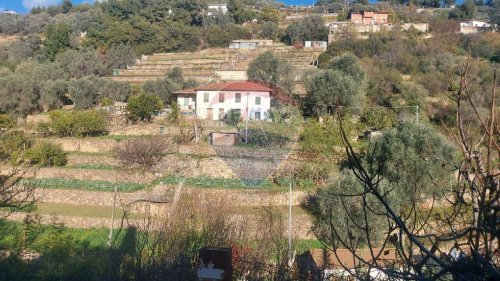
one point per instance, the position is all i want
(365, 17)
(248, 99)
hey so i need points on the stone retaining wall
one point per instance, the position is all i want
(250, 197)
(142, 129)
(91, 159)
(91, 145)
(235, 197)
(92, 175)
(188, 166)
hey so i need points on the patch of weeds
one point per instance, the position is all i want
(59, 183)
(92, 166)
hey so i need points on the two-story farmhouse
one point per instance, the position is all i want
(213, 101)
(366, 17)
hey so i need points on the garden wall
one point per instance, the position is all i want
(92, 175)
(235, 197)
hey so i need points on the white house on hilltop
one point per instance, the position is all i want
(222, 7)
(473, 26)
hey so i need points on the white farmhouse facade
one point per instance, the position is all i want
(248, 99)
(186, 100)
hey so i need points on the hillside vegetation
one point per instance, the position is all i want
(387, 95)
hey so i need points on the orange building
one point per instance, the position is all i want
(366, 17)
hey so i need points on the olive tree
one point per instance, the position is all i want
(330, 88)
(119, 56)
(397, 196)
(269, 68)
(52, 95)
(349, 65)
(81, 63)
(84, 92)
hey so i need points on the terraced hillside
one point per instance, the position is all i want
(206, 65)
(81, 193)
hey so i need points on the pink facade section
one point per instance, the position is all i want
(365, 17)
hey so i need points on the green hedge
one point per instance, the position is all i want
(92, 166)
(207, 182)
(58, 183)
(77, 123)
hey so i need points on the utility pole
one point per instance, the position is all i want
(110, 237)
(246, 121)
(291, 256)
(290, 221)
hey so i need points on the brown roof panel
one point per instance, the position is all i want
(189, 91)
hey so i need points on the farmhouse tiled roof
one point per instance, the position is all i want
(234, 86)
(188, 91)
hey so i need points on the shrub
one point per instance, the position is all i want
(286, 114)
(142, 152)
(306, 175)
(44, 129)
(47, 153)
(186, 133)
(80, 123)
(324, 138)
(262, 138)
(232, 117)
(142, 106)
(378, 118)
(6, 123)
(174, 113)
(12, 145)
(106, 101)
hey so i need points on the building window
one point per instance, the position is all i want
(257, 115)
(237, 98)
(205, 97)
(221, 97)
(221, 113)
(186, 101)
(257, 100)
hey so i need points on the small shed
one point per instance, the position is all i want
(250, 44)
(224, 138)
(217, 7)
(329, 265)
(316, 44)
(117, 108)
